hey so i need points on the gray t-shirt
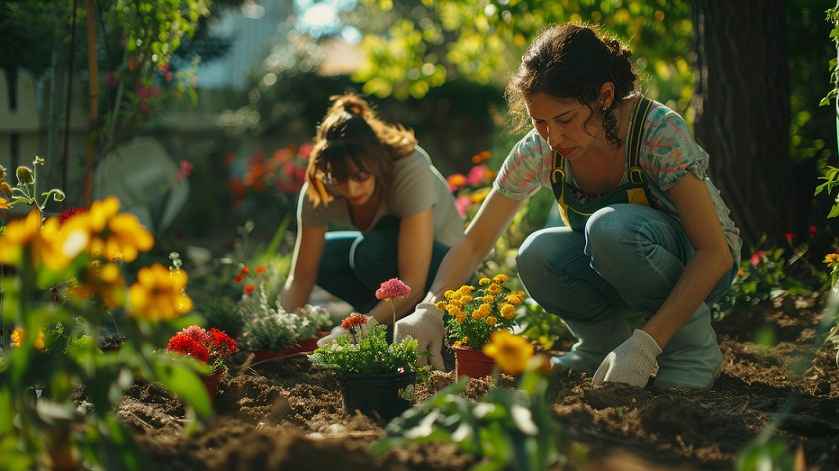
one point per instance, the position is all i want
(416, 186)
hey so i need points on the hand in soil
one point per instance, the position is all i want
(633, 362)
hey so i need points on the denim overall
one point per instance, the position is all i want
(612, 266)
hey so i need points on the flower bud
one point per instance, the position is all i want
(25, 175)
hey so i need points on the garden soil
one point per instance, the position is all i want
(287, 415)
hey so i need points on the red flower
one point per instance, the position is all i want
(64, 216)
(392, 288)
(790, 237)
(354, 320)
(248, 289)
(757, 257)
(813, 231)
(222, 343)
(260, 269)
(184, 170)
(185, 345)
(197, 333)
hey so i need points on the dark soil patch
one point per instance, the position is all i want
(288, 415)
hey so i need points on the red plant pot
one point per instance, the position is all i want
(472, 363)
(212, 381)
(305, 346)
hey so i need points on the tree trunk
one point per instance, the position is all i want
(743, 114)
(93, 112)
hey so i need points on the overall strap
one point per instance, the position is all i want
(638, 193)
(634, 139)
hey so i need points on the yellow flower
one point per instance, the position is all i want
(450, 294)
(58, 244)
(484, 310)
(831, 258)
(476, 315)
(101, 211)
(479, 195)
(500, 278)
(490, 320)
(17, 339)
(509, 351)
(4, 203)
(465, 290)
(454, 309)
(508, 311)
(465, 299)
(484, 281)
(441, 305)
(494, 289)
(513, 299)
(23, 231)
(488, 298)
(104, 281)
(159, 294)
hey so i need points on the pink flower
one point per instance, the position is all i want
(478, 175)
(462, 203)
(392, 288)
(184, 171)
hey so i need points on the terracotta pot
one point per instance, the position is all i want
(381, 396)
(212, 381)
(472, 363)
(306, 346)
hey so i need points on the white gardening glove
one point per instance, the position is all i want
(632, 362)
(425, 324)
(339, 331)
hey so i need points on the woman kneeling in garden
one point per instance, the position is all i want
(646, 232)
(372, 176)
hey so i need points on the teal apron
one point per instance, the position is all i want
(573, 210)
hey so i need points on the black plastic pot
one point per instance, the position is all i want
(379, 396)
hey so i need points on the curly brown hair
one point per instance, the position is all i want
(572, 61)
(351, 133)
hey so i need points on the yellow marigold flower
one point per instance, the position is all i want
(484, 310)
(465, 299)
(4, 203)
(484, 281)
(831, 258)
(490, 320)
(477, 314)
(500, 278)
(479, 195)
(494, 289)
(510, 352)
(17, 339)
(508, 311)
(460, 317)
(513, 299)
(127, 237)
(159, 294)
(466, 289)
(450, 294)
(488, 298)
(453, 309)
(441, 305)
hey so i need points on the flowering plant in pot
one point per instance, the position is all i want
(207, 346)
(375, 377)
(272, 332)
(510, 428)
(474, 314)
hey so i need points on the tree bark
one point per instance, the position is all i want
(743, 113)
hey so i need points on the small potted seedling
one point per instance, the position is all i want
(375, 377)
(207, 346)
(474, 314)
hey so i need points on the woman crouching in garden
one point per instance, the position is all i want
(370, 176)
(647, 234)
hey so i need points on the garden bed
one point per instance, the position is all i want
(288, 415)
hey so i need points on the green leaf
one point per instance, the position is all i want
(183, 382)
